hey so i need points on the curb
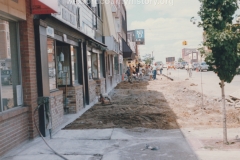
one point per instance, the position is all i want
(168, 77)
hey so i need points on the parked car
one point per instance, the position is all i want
(183, 64)
(177, 65)
(195, 66)
(6, 77)
(203, 66)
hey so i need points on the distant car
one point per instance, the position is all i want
(195, 66)
(177, 65)
(6, 77)
(183, 64)
(203, 66)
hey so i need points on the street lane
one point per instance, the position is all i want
(210, 82)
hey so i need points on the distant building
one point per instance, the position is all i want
(170, 60)
(191, 55)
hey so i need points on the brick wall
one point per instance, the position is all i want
(75, 98)
(92, 91)
(16, 125)
(13, 128)
(56, 109)
(28, 62)
(100, 87)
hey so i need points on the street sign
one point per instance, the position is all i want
(139, 35)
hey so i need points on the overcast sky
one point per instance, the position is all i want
(166, 25)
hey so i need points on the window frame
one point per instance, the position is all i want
(13, 26)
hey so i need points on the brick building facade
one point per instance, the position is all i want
(54, 56)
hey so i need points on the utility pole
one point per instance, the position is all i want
(152, 57)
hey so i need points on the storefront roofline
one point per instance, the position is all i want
(87, 38)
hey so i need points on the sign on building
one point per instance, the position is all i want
(139, 36)
(50, 31)
(170, 59)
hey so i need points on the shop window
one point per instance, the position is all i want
(89, 65)
(93, 66)
(116, 64)
(101, 65)
(74, 64)
(110, 65)
(10, 81)
(63, 64)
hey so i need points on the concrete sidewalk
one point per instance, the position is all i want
(109, 144)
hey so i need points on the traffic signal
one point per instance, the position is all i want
(184, 43)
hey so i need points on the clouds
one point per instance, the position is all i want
(166, 31)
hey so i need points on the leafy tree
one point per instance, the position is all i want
(222, 38)
(148, 59)
(180, 60)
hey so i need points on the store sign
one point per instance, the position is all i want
(139, 36)
(50, 32)
(120, 58)
(44, 6)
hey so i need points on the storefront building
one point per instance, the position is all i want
(70, 59)
(17, 75)
(54, 50)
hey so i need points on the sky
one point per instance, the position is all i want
(166, 23)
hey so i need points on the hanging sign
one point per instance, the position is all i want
(50, 32)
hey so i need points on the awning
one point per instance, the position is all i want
(127, 52)
(44, 6)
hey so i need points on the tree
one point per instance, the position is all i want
(180, 60)
(222, 38)
(148, 59)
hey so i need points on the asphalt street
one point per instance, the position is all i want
(206, 81)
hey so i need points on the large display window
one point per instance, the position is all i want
(62, 63)
(10, 79)
(93, 65)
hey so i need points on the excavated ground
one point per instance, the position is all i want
(160, 104)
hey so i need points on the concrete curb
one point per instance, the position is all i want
(168, 77)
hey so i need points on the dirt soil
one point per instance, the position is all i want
(160, 104)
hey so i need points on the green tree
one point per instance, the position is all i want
(222, 38)
(180, 60)
(148, 59)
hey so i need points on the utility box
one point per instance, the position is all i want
(45, 118)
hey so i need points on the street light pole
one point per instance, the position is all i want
(152, 57)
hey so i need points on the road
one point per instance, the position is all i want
(210, 82)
